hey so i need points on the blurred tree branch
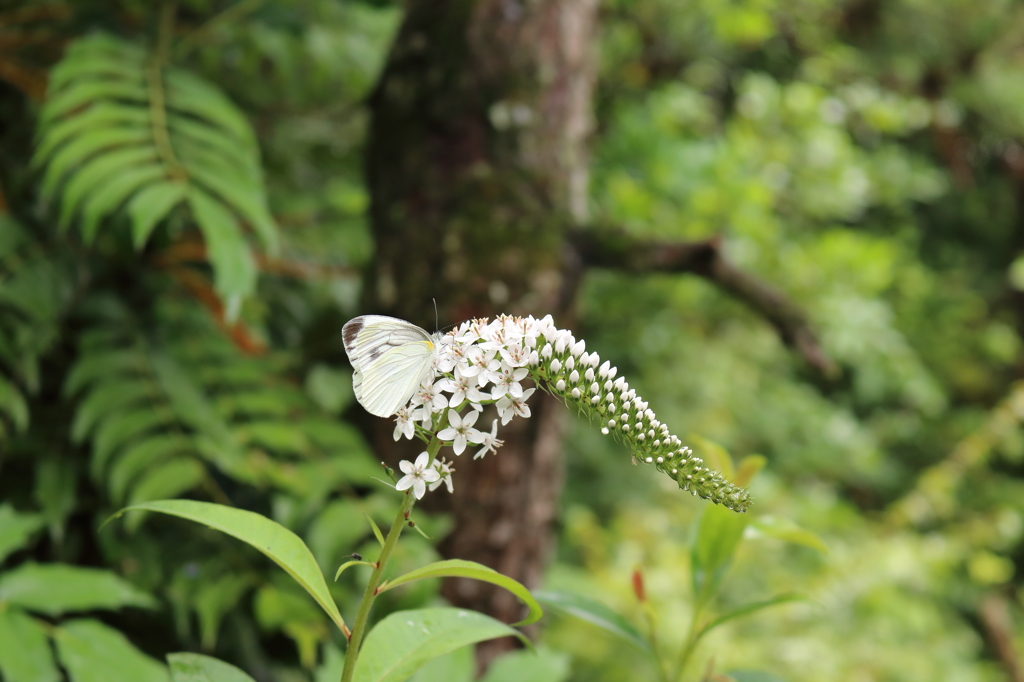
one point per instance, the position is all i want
(616, 250)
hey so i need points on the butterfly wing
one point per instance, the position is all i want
(390, 357)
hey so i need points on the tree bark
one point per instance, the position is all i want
(477, 167)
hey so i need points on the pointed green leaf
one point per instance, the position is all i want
(376, 529)
(102, 364)
(101, 170)
(784, 529)
(110, 195)
(214, 599)
(169, 479)
(69, 157)
(277, 542)
(457, 666)
(55, 589)
(140, 456)
(25, 655)
(120, 428)
(192, 95)
(12, 404)
(718, 535)
(101, 115)
(245, 197)
(106, 398)
(595, 613)
(85, 92)
(746, 611)
(93, 652)
(199, 668)
(347, 564)
(457, 568)
(187, 398)
(401, 643)
(227, 250)
(198, 135)
(16, 529)
(151, 205)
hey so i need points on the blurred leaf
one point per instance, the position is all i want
(719, 533)
(16, 529)
(330, 388)
(272, 539)
(595, 613)
(746, 611)
(214, 599)
(544, 665)
(55, 589)
(401, 643)
(752, 676)
(198, 668)
(457, 666)
(457, 568)
(333, 664)
(93, 652)
(715, 456)
(25, 655)
(785, 529)
(748, 469)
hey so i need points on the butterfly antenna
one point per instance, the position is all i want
(436, 322)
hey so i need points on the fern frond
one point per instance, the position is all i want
(119, 131)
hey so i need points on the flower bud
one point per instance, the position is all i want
(546, 351)
(576, 394)
(589, 374)
(570, 362)
(556, 366)
(574, 377)
(560, 386)
(612, 372)
(603, 372)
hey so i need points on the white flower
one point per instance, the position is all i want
(462, 388)
(506, 382)
(405, 423)
(417, 475)
(429, 395)
(460, 430)
(478, 360)
(444, 470)
(489, 441)
(511, 406)
(515, 355)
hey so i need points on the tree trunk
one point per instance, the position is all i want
(476, 165)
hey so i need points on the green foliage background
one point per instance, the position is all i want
(182, 237)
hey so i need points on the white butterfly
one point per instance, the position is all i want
(391, 358)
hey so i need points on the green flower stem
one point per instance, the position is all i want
(359, 627)
(688, 646)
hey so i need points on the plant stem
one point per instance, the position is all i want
(370, 593)
(688, 646)
(157, 104)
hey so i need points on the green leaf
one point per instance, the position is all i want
(787, 530)
(401, 643)
(139, 456)
(458, 568)
(151, 205)
(192, 95)
(347, 564)
(595, 613)
(718, 535)
(198, 668)
(280, 436)
(544, 665)
(277, 542)
(457, 666)
(103, 364)
(169, 479)
(93, 652)
(120, 428)
(16, 529)
(109, 197)
(715, 455)
(106, 398)
(84, 93)
(55, 589)
(25, 655)
(75, 152)
(12, 403)
(244, 196)
(751, 676)
(228, 251)
(214, 599)
(188, 400)
(376, 530)
(334, 664)
(103, 114)
(97, 172)
(338, 527)
(746, 611)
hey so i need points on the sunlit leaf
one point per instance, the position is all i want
(593, 612)
(55, 589)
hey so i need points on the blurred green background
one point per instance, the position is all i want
(866, 157)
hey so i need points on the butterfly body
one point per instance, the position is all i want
(391, 358)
